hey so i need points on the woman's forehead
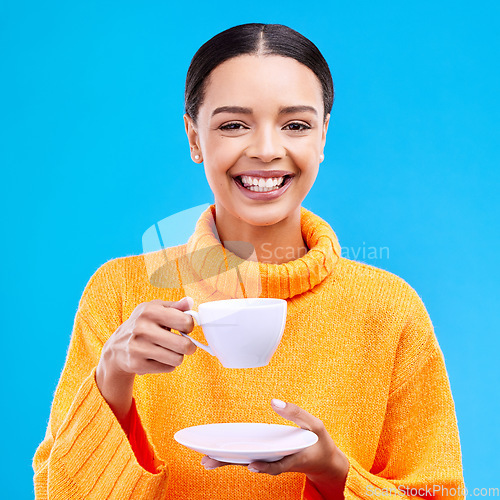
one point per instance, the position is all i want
(250, 80)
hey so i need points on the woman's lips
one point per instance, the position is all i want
(266, 195)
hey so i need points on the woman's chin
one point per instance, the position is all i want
(263, 215)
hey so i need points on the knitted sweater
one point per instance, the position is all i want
(358, 352)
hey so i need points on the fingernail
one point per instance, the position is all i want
(253, 469)
(278, 403)
(189, 300)
(208, 467)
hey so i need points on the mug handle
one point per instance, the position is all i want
(196, 316)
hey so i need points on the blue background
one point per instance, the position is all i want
(93, 152)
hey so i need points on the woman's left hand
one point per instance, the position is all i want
(323, 462)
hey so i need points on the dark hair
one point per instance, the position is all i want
(259, 39)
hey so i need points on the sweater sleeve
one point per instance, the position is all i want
(86, 453)
(418, 453)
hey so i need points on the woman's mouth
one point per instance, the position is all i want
(263, 188)
(260, 184)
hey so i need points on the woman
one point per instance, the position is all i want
(358, 363)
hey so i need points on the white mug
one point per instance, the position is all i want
(241, 333)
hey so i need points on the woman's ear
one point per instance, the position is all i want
(325, 129)
(323, 137)
(194, 143)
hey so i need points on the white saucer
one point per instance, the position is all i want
(242, 443)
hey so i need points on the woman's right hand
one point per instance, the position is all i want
(143, 344)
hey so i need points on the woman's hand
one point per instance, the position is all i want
(143, 344)
(323, 463)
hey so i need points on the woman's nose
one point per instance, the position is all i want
(266, 145)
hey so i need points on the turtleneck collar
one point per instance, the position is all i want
(211, 272)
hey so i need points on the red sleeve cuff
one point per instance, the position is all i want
(310, 492)
(138, 440)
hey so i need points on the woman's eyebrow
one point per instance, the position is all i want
(297, 109)
(248, 111)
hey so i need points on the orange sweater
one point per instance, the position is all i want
(358, 351)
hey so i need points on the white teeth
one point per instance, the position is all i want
(261, 184)
(259, 189)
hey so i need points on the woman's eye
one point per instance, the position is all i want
(294, 127)
(298, 127)
(231, 126)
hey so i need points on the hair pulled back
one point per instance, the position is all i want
(258, 39)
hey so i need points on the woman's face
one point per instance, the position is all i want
(262, 118)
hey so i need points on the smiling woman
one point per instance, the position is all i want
(260, 131)
(358, 363)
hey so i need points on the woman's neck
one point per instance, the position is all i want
(274, 244)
